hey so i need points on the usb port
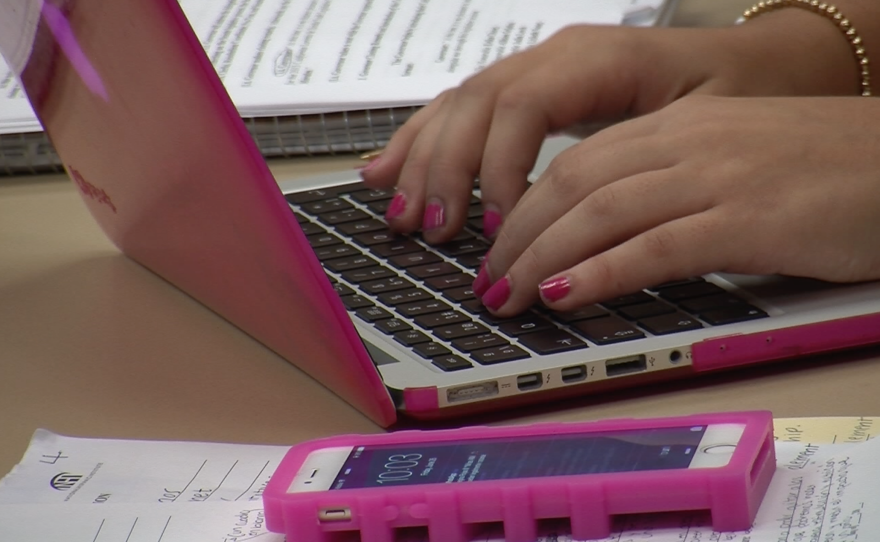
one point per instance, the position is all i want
(624, 366)
(528, 382)
(574, 374)
(472, 391)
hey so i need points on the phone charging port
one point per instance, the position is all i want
(626, 365)
(574, 374)
(529, 382)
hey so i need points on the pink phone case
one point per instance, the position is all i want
(731, 493)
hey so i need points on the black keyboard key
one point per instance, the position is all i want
(368, 273)
(389, 284)
(323, 240)
(404, 296)
(345, 215)
(475, 211)
(373, 314)
(583, 313)
(342, 289)
(300, 218)
(309, 196)
(362, 226)
(411, 337)
(457, 248)
(499, 354)
(379, 207)
(449, 281)
(630, 299)
(431, 350)
(478, 342)
(670, 323)
(419, 308)
(732, 315)
(338, 265)
(472, 261)
(335, 251)
(672, 283)
(464, 329)
(310, 228)
(521, 326)
(392, 325)
(423, 272)
(607, 330)
(326, 206)
(354, 302)
(451, 363)
(377, 237)
(462, 293)
(688, 291)
(396, 249)
(474, 306)
(415, 258)
(475, 224)
(699, 305)
(437, 319)
(366, 196)
(551, 341)
(645, 310)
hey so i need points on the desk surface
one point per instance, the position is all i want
(92, 344)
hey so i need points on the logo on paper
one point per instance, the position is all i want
(65, 481)
(90, 190)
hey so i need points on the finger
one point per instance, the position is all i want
(406, 211)
(383, 171)
(608, 217)
(459, 149)
(687, 247)
(571, 177)
(519, 125)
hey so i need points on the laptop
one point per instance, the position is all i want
(164, 163)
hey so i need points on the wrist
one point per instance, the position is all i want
(794, 52)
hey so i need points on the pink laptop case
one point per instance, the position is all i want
(166, 166)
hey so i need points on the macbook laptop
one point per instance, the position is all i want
(167, 168)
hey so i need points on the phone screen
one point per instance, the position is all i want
(497, 459)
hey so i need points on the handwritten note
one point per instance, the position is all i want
(90, 490)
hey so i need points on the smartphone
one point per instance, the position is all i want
(659, 462)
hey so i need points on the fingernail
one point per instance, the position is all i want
(497, 295)
(555, 289)
(482, 282)
(370, 165)
(396, 207)
(491, 222)
(435, 216)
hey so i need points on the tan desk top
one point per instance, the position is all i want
(92, 344)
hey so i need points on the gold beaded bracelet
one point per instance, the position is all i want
(830, 12)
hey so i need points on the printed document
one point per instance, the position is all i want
(92, 490)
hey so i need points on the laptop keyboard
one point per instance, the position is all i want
(421, 295)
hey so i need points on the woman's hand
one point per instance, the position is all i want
(493, 125)
(757, 185)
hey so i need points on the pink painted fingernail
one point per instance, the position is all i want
(435, 216)
(482, 282)
(491, 223)
(396, 207)
(497, 295)
(555, 289)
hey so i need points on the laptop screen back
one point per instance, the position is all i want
(167, 168)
